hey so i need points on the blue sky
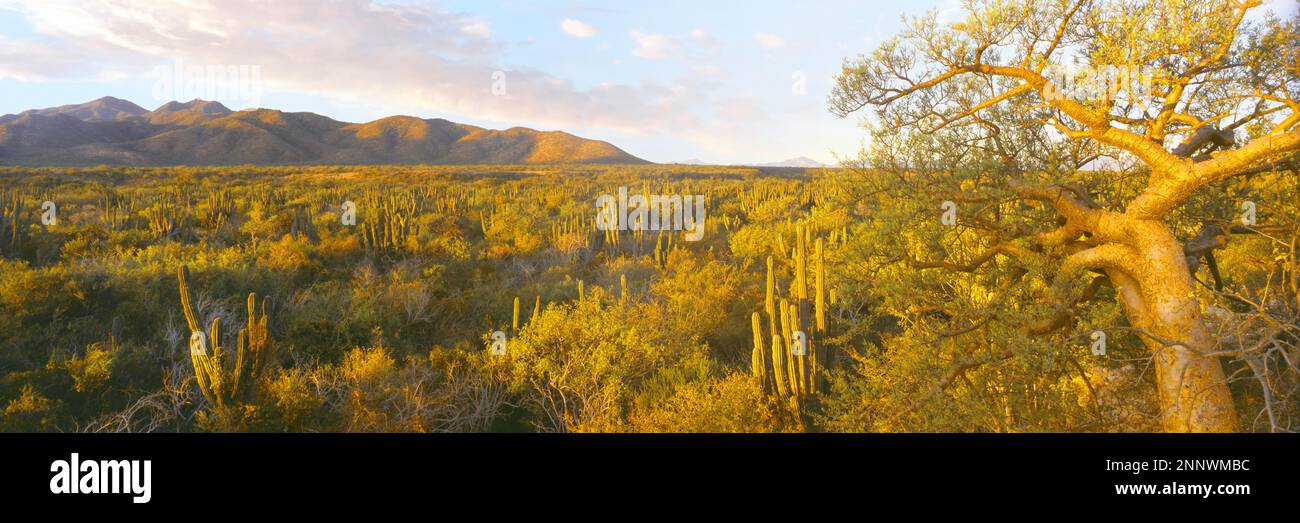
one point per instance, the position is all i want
(667, 80)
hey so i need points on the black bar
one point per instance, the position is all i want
(521, 471)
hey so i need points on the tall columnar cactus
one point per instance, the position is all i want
(660, 255)
(769, 303)
(11, 208)
(820, 302)
(817, 350)
(222, 387)
(780, 376)
(514, 323)
(800, 266)
(758, 357)
(165, 220)
(109, 209)
(796, 375)
(387, 223)
(13, 230)
(799, 361)
(791, 361)
(301, 223)
(220, 206)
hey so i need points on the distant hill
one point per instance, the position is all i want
(103, 109)
(801, 161)
(117, 132)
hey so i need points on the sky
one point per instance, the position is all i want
(718, 81)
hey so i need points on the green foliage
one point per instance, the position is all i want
(30, 411)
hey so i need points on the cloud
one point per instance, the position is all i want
(577, 29)
(703, 37)
(708, 70)
(769, 41)
(39, 59)
(654, 46)
(397, 58)
(1282, 8)
(688, 48)
(951, 11)
(393, 57)
(476, 28)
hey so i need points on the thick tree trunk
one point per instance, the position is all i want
(1159, 299)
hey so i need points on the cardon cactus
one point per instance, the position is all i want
(222, 387)
(11, 228)
(783, 371)
(758, 358)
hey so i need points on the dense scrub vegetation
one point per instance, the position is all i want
(387, 325)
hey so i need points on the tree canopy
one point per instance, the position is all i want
(1131, 123)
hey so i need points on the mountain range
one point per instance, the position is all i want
(800, 162)
(112, 131)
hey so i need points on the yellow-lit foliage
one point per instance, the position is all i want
(395, 337)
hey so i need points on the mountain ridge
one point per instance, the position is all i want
(800, 161)
(199, 132)
(803, 162)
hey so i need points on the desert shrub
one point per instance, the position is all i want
(31, 411)
(91, 370)
(577, 364)
(734, 403)
(702, 299)
(290, 254)
(291, 402)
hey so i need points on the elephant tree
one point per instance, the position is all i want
(1166, 102)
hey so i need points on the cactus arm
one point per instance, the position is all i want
(182, 275)
(821, 288)
(769, 303)
(800, 370)
(242, 362)
(758, 363)
(216, 365)
(820, 306)
(779, 375)
(201, 362)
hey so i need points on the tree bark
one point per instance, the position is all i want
(1157, 294)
